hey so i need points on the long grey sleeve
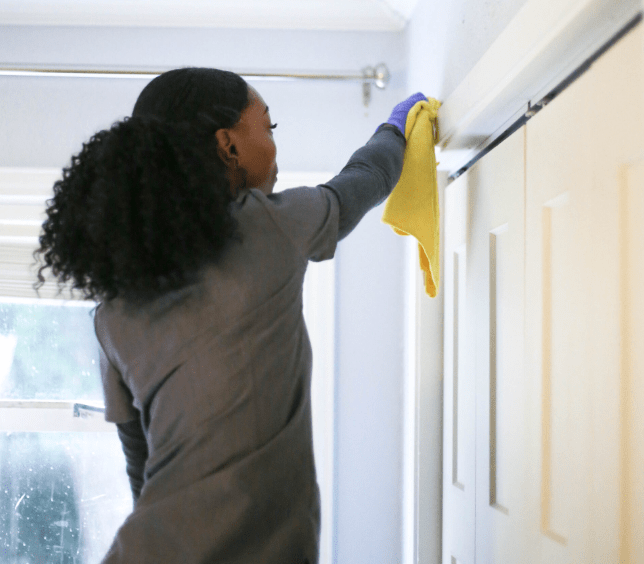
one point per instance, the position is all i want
(135, 449)
(369, 176)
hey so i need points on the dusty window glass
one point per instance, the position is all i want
(62, 496)
(48, 351)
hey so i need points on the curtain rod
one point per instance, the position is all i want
(377, 75)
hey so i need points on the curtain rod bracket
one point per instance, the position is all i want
(378, 75)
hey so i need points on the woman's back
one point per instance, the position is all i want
(219, 374)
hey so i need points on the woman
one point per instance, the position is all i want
(169, 221)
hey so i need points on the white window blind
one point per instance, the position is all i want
(23, 195)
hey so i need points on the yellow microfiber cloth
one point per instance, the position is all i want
(412, 207)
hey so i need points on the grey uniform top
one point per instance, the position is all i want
(217, 377)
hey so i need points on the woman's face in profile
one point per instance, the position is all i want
(255, 144)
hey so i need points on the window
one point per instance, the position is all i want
(63, 487)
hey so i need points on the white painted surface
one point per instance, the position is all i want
(568, 434)
(319, 313)
(541, 46)
(486, 35)
(405, 8)
(633, 366)
(496, 261)
(310, 115)
(369, 393)
(380, 15)
(445, 40)
(414, 280)
(575, 213)
(459, 444)
(429, 404)
(49, 417)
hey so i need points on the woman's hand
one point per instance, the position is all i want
(398, 115)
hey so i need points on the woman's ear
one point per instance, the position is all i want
(226, 149)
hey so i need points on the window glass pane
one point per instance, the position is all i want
(62, 496)
(48, 350)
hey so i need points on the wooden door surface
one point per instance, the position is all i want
(459, 478)
(496, 285)
(579, 153)
(544, 333)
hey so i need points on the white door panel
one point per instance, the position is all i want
(459, 406)
(575, 160)
(632, 516)
(496, 282)
(544, 333)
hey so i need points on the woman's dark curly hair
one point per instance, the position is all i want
(146, 204)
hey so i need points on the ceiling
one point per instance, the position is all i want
(346, 15)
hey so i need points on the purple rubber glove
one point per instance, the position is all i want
(398, 115)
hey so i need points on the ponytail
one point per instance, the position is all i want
(139, 211)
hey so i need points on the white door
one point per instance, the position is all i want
(555, 316)
(632, 421)
(578, 153)
(459, 386)
(496, 281)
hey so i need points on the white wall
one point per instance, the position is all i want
(446, 39)
(45, 120)
(320, 123)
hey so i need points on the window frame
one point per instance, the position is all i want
(52, 416)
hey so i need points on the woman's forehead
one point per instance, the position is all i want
(253, 94)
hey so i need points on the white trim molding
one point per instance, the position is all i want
(543, 45)
(401, 9)
(319, 312)
(344, 15)
(40, 416)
